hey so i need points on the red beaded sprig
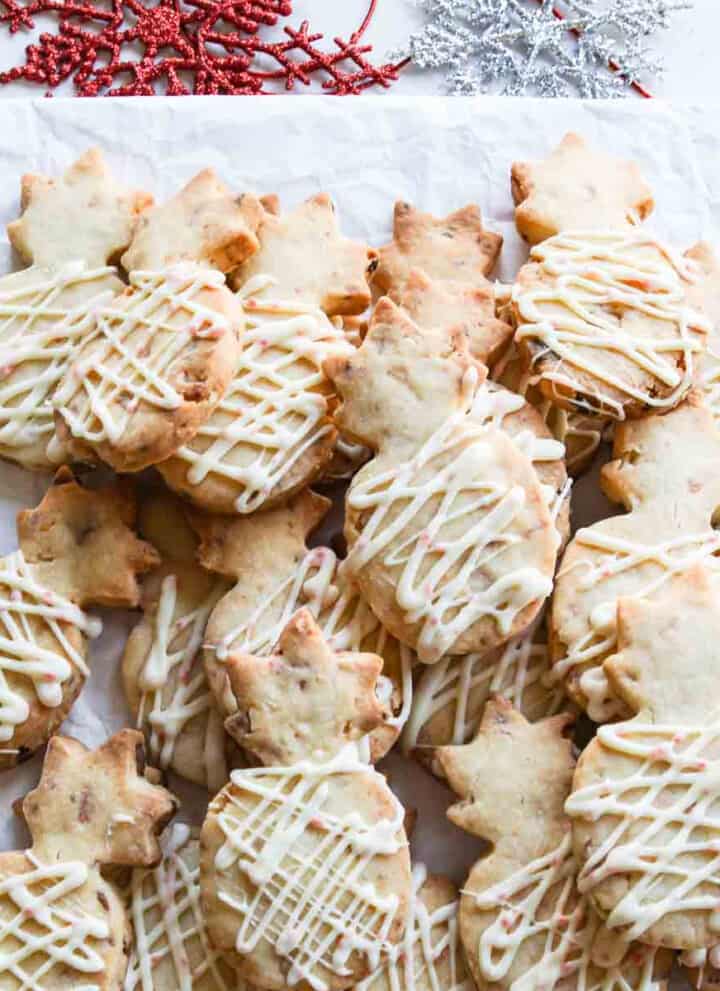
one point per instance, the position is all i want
(176, 47)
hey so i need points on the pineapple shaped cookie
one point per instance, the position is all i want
(275, 575)
(450, 536)
(645, 805)
(603, 310)
(62, 926)
(163, 674)
(272, 434)
(304, 870)
(71, 231)
(664, 475)
(524, 923)
(77, 548)
(160, 355)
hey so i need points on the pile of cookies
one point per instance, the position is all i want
(280, 380)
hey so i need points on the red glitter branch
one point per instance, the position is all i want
(190, 46)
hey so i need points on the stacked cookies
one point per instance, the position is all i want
(283, 381)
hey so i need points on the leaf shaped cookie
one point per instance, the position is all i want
(577, 187)
(85, 215)
(205, 222)
(456, 248)
(308, 260)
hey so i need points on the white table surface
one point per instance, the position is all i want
(689, 47)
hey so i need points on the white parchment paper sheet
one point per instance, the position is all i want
(367, 153)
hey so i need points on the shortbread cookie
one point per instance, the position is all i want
(61, 925)
(577, 187)
(309, 261)
(305, 699)
(304, 870)
(523, 921)
(170, 949)
(205, 222)
(605, 323)
(456, 247)
(466, 306)
(449, 697)
(162, 666)
(450, 537)
(156, 364)
(271, 433)
(580, 433)
(646, 793)
(85, 215)
(46, 313)
(665, 476)
(276, 575)
(705, 295)
(77, 548)
(429, 957)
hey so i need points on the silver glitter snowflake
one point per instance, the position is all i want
(587, 48)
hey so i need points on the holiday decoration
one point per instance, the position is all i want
(587, 48)
(174, 47)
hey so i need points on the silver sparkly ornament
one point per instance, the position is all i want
(587, 48)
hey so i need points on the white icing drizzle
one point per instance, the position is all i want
(28, 612)
(275, 408)
(168, 924)
(596, 275)
(619, 557)
(133, 352)
(540, 903)
(435, 586)
(430, 939)
(664, 828)
(313, 900)
(320, 583)
(38, 328)
(48, 921)
(464, 684)
(174, 649)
